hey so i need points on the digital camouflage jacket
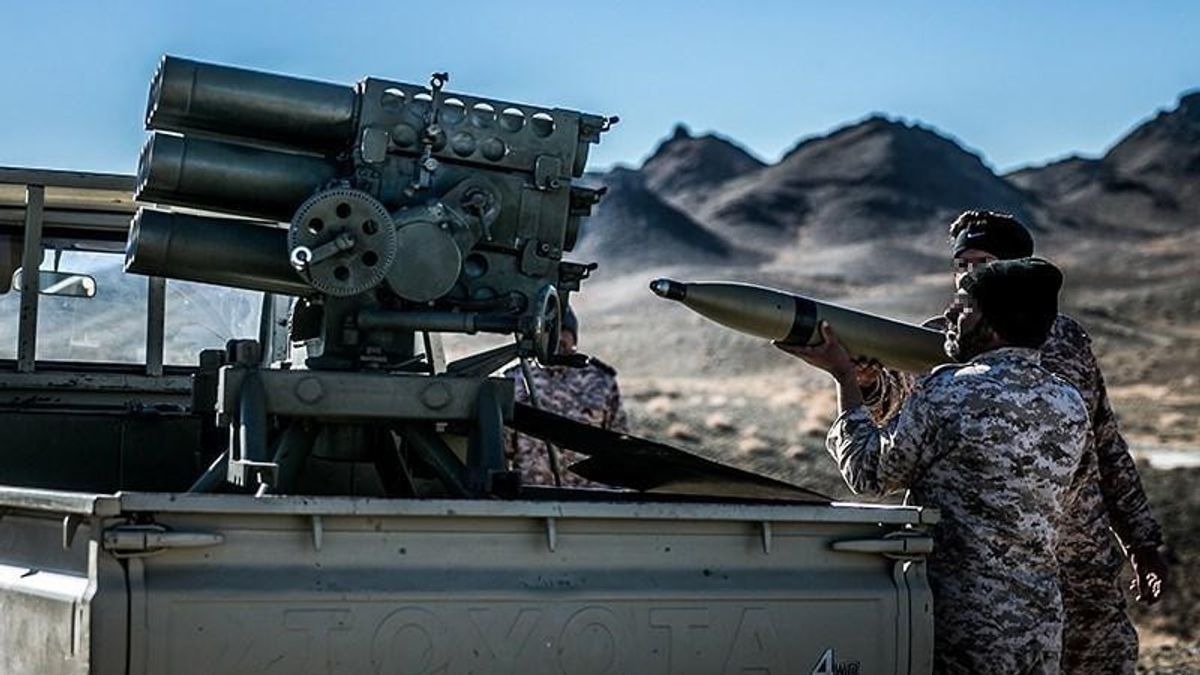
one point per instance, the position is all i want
(1107, 493)
(993, 445)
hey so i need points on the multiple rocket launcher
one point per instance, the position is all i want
(393, 212)
(408, 210)
(304, 135)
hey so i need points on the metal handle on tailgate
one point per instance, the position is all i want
(896, 545)
(125, 541)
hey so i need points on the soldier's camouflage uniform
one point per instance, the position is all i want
(993, 445)
(890, 390)
(1098, 636)
(588, 394)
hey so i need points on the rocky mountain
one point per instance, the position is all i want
(878, 178)
(633, 227)
(885, 186)
(1149, 182)
(1056, 182)
(686, 170)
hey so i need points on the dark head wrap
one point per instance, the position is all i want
(1018, 298)
(570, 322)
(1000, 234)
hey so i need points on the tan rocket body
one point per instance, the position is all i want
(793, 319)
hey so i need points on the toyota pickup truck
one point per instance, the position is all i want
(110, 565)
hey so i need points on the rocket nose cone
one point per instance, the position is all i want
(671, 290)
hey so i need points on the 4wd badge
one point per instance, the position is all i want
(828, 665)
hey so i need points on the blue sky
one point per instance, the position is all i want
(1019, 82)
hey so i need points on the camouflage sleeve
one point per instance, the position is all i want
(614, 417)
(874, 460)
(1124, 498)
(893, 387)
(885, 399)
(1070, 351)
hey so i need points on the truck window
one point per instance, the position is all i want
(109, 328)
(200, 316)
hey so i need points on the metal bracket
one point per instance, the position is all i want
(31, 262)
(902, 545)
(373, 145)
(435, 352)
(367, 178)
(539, 257)
(767, 536)
(547, 172)
(552, 534)
(156, 308)
(318, 532)
(70, 526)
(360, 397)
(427, 165)
(135, 541)
(483, 363)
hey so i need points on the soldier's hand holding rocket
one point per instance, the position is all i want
(828, 354)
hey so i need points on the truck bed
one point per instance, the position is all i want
(185, 583)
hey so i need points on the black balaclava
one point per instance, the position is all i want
(1018, 298)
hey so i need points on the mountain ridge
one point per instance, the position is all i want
(884, 178)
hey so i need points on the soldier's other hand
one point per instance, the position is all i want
(1149, 574)
(867, 372)
(829, 355)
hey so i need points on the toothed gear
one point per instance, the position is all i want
(328, 215)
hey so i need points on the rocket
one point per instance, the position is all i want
(793, 319)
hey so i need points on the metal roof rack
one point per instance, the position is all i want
(72, 202)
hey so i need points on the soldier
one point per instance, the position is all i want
(588, 394)
(1099, 637)
(993, 443)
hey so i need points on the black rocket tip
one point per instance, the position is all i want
(671, 290)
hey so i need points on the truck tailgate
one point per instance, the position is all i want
(234, 584)
(335, 585)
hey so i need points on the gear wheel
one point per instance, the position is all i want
(342, 241)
